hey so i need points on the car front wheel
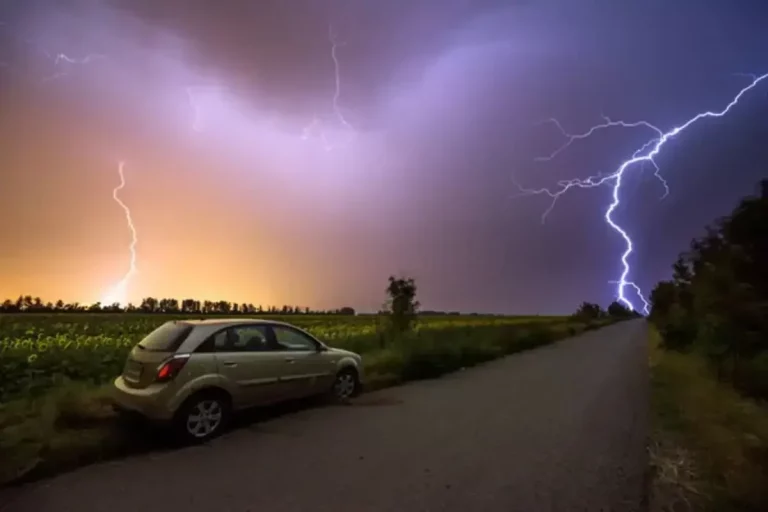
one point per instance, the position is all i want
(346, 385)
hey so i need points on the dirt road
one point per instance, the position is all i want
(558, 428)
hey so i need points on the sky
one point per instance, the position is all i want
(259, 169)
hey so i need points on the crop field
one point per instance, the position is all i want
(37, 351)
(55, 408)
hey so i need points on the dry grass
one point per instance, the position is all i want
(677, 484)
(710, 445)
(53, 428)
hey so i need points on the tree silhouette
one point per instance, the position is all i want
(717, 299)
(402, 305)
(618, 310)
(589, 311)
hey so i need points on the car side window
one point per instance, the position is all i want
(207, 346)
(221, 341)
(292, 340)
(248, 338)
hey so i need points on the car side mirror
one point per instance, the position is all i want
(322, 348)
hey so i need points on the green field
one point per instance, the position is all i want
(39, 350)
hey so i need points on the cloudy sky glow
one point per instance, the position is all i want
(207, 103)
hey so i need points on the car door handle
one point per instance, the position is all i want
(230, 364)
(290, 360)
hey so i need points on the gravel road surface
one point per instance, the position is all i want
(562, 427)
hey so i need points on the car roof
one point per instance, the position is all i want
(205, 327)
(231, 321)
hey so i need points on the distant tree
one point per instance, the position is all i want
(149, 305)
(401, 304)
(589, 311)
(223, 307)
(618, 310)
(112, 308)
(166, 305)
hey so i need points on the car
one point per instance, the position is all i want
(193, 374)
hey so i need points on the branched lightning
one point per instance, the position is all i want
(645, 155)
(118, 293)
(63, 59)
(62, 63)
(335, 44)
(316, 125)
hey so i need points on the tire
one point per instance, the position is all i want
(202, 416)
(346, 385)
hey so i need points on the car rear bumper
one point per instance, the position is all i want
(152, 402)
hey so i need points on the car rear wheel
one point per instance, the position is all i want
(202, 416)
(346, 385)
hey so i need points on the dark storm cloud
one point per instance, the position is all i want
(447, 97)
(279, 51)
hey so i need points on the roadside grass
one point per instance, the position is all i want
(709, 445)
(73, 424)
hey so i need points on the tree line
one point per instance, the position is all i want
(149, 305)
(591, 311)
(716, 302)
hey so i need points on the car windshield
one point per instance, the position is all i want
(166, 338)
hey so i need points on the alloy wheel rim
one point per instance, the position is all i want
(205, 418)
(345, 385)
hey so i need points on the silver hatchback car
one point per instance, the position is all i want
(195, 373)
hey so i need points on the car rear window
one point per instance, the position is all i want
(166, 338)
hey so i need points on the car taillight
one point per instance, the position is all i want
(171, 368)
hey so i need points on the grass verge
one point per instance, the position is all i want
(73, 424)
(709, 445)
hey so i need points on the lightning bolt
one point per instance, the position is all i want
(62, 58)
(335, 44)
(316, 125)
(61, 61)
(645, 155)
(118, 293)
